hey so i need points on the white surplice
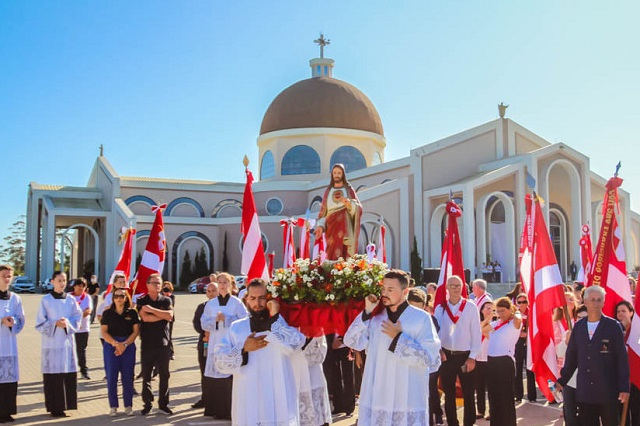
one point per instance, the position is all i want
(313, 396)
(395, 385)
(264, 389)
(233, 310)
(9, 371)
(58, 344)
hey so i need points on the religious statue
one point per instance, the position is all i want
(502, 109)
(339, 217)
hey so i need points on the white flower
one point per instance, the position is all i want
(331, 296)
(295, 297)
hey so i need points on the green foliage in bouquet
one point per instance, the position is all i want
(328, 282)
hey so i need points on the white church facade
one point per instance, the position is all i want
(308, 127)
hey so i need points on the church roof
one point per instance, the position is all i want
(322, 102)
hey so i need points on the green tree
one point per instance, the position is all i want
(13, 250)
(416, 263)
(186, 270)
(201, 269)
(225, 258)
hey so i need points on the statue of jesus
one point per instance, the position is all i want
(339, 217)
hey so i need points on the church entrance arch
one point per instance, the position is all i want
(495, 233)
(96, 248)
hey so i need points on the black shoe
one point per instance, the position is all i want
(59, 414)
(166, 410)
(198, 404)
(7, 419)
(85, 376)
(146, 410)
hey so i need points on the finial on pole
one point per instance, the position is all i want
(245, 161)
(322, 42)
(617, 168)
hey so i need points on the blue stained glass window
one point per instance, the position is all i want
(301, 160)
(268, 166)
(349, 156)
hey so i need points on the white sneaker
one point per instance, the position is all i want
(113, 412)
(128, 411)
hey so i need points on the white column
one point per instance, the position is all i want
(469, 238)
(48, 244)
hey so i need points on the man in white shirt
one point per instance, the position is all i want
(460, 336)
(479, 290)
(82, 335)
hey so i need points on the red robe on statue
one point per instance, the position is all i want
(341, 225)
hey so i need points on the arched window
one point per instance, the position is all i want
(268, 166)
(349, 156)
(377, 159)
(301, 160)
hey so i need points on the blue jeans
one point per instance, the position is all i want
(122, 365)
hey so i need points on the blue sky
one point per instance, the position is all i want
(178, 89)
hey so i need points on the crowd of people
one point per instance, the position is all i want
(394, 362)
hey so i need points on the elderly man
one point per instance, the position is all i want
(402, 348)
(257, 351)
(479, 290)
(203, 335)
(460, 335)
(597, 349)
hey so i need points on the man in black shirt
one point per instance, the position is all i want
(94, 290)
(156, 312)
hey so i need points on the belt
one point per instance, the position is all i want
(447, 351)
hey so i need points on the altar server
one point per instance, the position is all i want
(313, 396)
(12, 323)
(257, 351)
(402, 347)
(217, 317)
(57, 320)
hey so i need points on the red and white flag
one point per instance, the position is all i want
(305, 237)
(124, 263)
(542, 281)
(271, 256)
(633, 343)
(319, 249)
(451, 262)
(381, 253)
(288, 246)
(254, 263)
(154, 254)
(586, 254)
(609, 266)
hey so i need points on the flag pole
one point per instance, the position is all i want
(625, 408)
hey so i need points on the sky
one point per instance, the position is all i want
(178, 89)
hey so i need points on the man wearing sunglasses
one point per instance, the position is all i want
(156, 311)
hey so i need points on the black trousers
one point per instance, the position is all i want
(481, 387)
(592, 414)
(633, 417)
(344, 395)
(449, 370)
(521, 361)
(158, 357)
(8, 404)
(216, 395)
(81, 349)
(435, 409)
(94, 299)
(202, 363)
(501, 370)
(60, 392)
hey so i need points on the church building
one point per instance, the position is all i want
(308, 127)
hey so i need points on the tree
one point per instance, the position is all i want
(416, 263)
(225, 259)
(13, 250)
(186, 270)
(201, 269)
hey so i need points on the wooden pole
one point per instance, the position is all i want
(567, 317)
(625, 408)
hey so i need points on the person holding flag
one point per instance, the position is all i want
(625, 313)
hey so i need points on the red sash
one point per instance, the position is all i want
(502, 324)
(454, 319)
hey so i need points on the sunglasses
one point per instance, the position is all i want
(166, 290)
(119, 296)
(522, 302)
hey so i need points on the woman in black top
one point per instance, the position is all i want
(120, 325)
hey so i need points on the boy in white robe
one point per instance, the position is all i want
(313, 395)
(11, 323)
(257, 351)
(57, 320)
(402, 346)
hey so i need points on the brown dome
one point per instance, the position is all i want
(321, 102)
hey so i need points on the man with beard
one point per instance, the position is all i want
(402, 348)
(257, 351)
(339, 217)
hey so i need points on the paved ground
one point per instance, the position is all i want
(184, 382)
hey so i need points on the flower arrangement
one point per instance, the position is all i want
(324, 298)
(328, 282)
